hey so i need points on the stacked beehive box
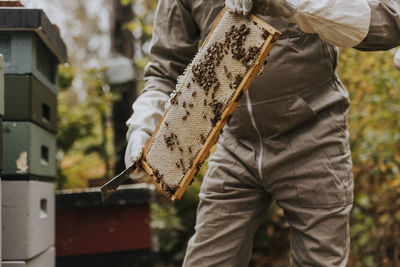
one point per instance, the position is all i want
(32, 49)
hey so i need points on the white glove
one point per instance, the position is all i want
(239, 6)
(147, 112)
(397, 59)
(134, 152)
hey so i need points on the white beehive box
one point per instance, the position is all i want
(46, 259)
(28, 212)
(204, 99)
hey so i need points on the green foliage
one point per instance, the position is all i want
(74, 121)
(66, 76)
(374, 125)
(84, 128)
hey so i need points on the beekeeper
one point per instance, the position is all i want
(288, 138)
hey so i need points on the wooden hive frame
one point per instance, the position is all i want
(212, 138)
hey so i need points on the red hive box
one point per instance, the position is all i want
(87, 229)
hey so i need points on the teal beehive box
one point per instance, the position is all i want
(28, 151)
(29, 100)
(30, 44)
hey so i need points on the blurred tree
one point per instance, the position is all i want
(121, 45)
(84, 125)
(374, 125)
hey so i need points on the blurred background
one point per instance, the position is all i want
(103, 35)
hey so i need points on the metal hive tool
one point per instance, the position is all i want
(205, 96)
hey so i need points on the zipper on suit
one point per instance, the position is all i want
(253, 122)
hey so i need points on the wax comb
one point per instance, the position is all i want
(204, 99)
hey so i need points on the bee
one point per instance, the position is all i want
(265, 34)
(202, 138)
(239, 97)
(198, 165)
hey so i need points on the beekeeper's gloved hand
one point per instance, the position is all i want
(397, 59)
(343, 23)
(239, 6)
(133, 152)
(147, 112)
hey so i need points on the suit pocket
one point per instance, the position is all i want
(299, 112)
(321, 155)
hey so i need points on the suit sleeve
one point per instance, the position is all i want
(384, 29)
(343, 23)
(173, 45)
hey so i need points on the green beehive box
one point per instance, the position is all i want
(29, 100)
(28, 150)
(30, 44)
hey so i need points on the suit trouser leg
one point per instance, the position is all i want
(320, 168)
(232, 206)
(318, 236)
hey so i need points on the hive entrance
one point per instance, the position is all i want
(205, 96)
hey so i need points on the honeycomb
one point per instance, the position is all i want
(204, 98)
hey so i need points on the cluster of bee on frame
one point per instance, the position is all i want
(204, 74)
